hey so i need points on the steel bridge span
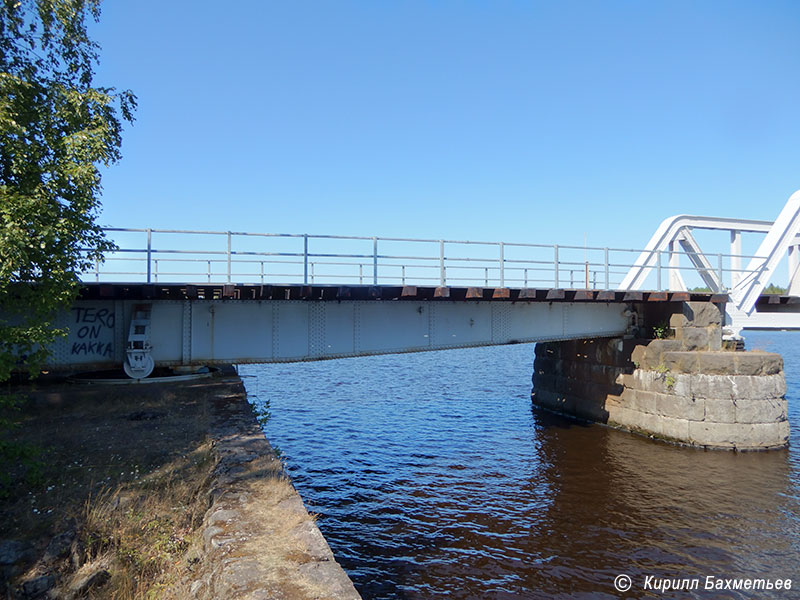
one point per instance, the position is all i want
(420, 294)
(169, 325)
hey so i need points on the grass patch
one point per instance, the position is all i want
(126, 470)
(145, 530)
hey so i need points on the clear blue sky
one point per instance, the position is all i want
(516, 121)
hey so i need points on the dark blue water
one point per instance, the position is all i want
(433, 477)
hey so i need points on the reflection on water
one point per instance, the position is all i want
(434, 477)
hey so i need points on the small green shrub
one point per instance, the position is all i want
(661, 331)
(669, 378)
(669, 381)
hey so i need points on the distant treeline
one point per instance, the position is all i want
(770, 289)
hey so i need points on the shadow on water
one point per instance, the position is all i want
(433, 478)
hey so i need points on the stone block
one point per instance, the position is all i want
(768, 410)
(664, 382)
(592, 410)
(647, 381)
(682, 385)
(601, 374)
(716, 363)
(614, 352)
(616, 414)
(546, 365)
(638, 355)
(37, 586)
(614, 401)
(606, 351)
(758, 363)
(694, 338)
(702, 314)
(718, 435)
(657, 347)
(647, 422)
(549, 399)
(637, 400)
(759, 387)
(679, 320)
(718, 410)
(679, 407)
(738, 386)
(625, 380)
(680, 362)
(715, 338)
(674, 429)
(742, 436)
(632, 419)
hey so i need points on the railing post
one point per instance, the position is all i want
(155, 270)
(374, 261)
(361, 273)
(312, 272)
(608, 284)
(262, 272)
(571, 279)
(555, 265)
(403, 274)
(97, 270)
(526, 278)
(719, 267)
(442, 276)
(502, 266)
(486, 276)
(658, 270)
(305, 258)
(229, 257)
(149, 252)
(209, 271)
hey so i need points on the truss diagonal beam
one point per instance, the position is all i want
(780, 237)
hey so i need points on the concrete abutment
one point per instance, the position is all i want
(685, 388)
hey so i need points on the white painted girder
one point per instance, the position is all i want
(252, 331)
(782, 237)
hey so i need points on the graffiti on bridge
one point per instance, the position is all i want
(92, 332)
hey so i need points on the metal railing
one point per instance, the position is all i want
(182, 256)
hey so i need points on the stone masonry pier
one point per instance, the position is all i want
(685, 388)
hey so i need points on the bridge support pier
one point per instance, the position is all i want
(684, 388)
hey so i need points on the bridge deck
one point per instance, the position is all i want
(137, 291)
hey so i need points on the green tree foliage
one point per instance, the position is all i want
(774, 289)
(56, 132)
(770, 289)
